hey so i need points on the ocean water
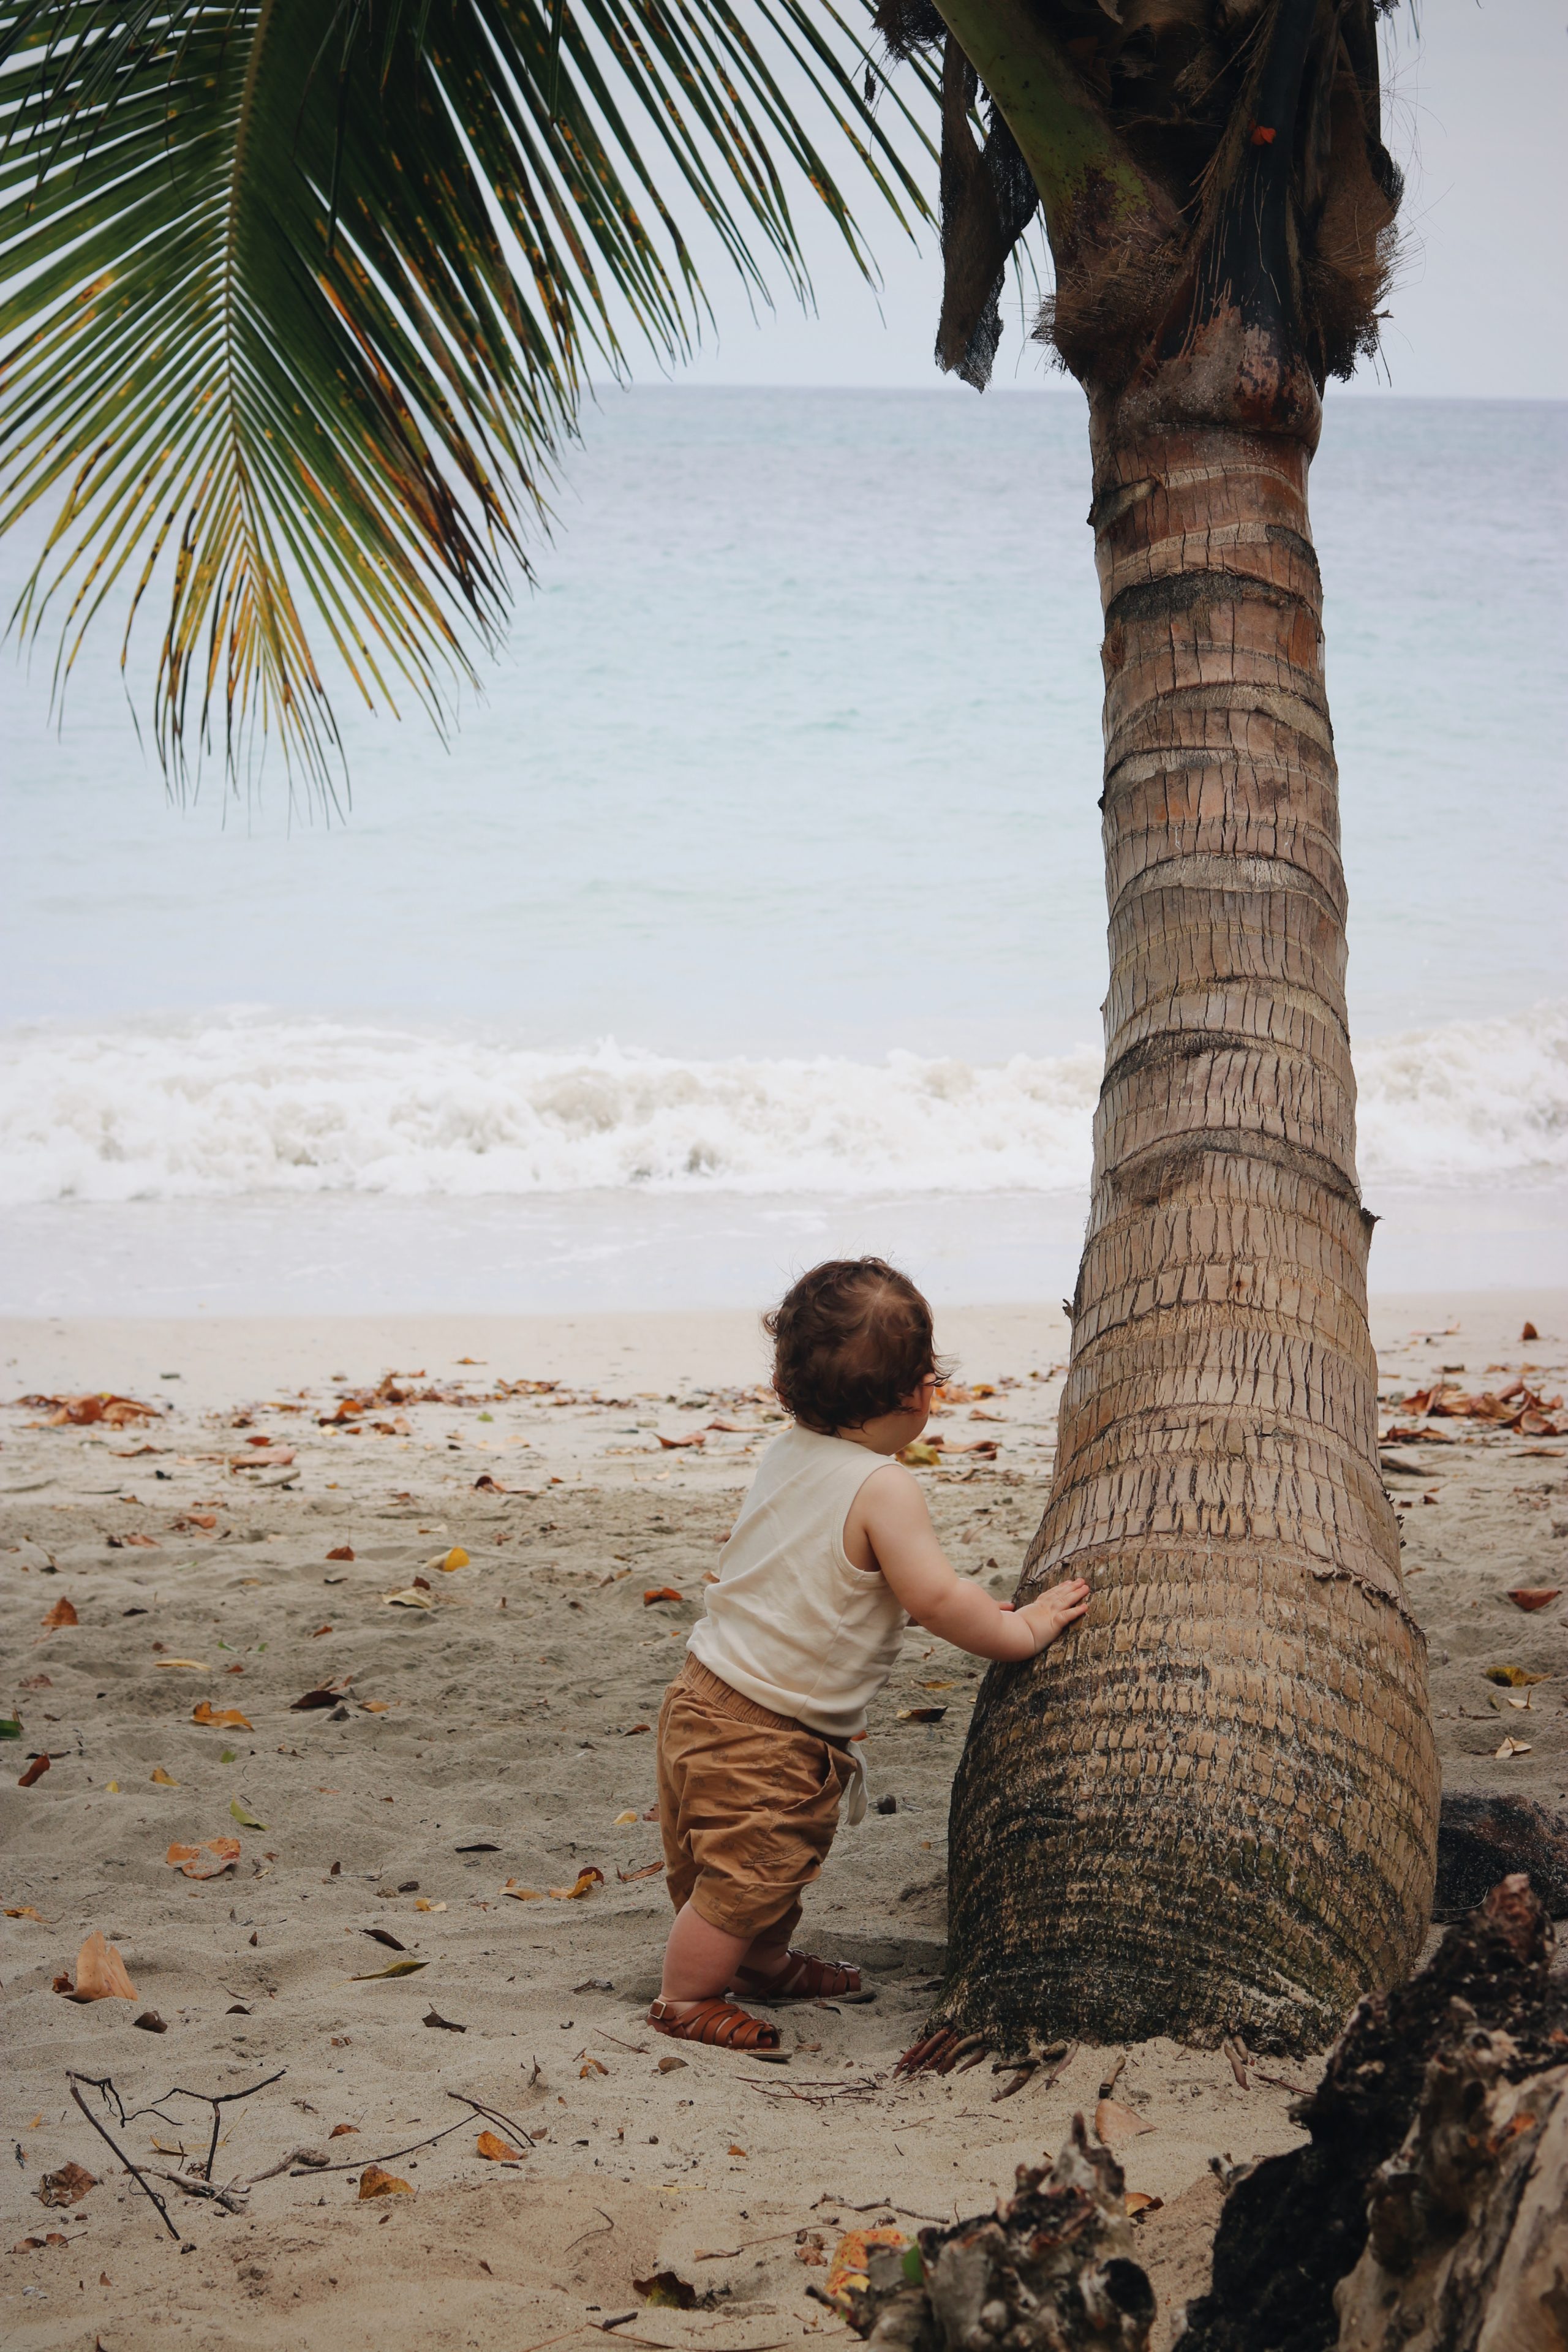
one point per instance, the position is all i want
(756, 907)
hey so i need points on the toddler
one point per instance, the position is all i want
(832, 1554)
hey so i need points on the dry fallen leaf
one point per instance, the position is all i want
(921, 1456)
(584, 1884)
(1512, 1747)
(163, 1778)
(669, 2065)
(26, 1911)
(374, 2182)
(1513, 1677)
(68, 2186)
(670, 1444)
(621, 1818)
(591, 2066)
(1535, 1597)
(340, 2131)
(208, 1860)
(35, 1771)
(100, 1973)
(221, 1718)
(327, 1695)
(62, 1614)
(448, 1561)
(241, 1812)
(736, 2151)
(1139, 2202)
(197, 1665)
(1112, 2122)
(407, 1599)
(342, 1551)
(523, 1893)
(398, 1969)
(422, 1904)
(372, 1705)
(648, 1870)
(490, 2144)
(921, 1714)
(659, 1592)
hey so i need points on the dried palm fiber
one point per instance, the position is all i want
(1212, 1807)
(988, 200)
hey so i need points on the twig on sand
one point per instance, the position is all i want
(605, 2232)
(359, 2162)
(139, 2176)
(232, 2200)
(496, 2115)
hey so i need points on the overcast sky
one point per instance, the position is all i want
(1477, 116)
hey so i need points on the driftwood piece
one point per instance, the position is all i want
(1051, 2270)
(1425, 2212)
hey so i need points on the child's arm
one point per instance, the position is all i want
(889, 1522)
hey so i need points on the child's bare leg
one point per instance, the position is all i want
(699, 1959)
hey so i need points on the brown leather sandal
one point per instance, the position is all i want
(717, 2022)
(802, 1978)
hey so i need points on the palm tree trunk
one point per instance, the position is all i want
(1213, 1808)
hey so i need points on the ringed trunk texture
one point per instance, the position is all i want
(1214, 1806)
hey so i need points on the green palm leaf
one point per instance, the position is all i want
(301, 303)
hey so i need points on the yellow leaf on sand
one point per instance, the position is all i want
(208, 1860)
(100, 1973)
(243, 1815)
(523, 1893)
(374, 2182)
(1512, 1677)
(372, 1705)
(409, 1598)
(848, 2267)
(591, 2066)
(622, 1817)
(421, 1905)
(584, 1883)
(111, 1787)
(163, 1778)
(447, 1561)
(221, 1718)
(499, 2151)
(24, 1911)
(1139, 2202)
(197, 1665)
(398, 1969)
(920, 1455)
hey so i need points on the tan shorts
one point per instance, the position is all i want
(747, 1803)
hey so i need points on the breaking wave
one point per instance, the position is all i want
(253, 1103)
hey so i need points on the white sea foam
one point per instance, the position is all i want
(246, 1104)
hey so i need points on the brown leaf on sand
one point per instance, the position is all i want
(1112, 2122)
(62, 1614)
(670, 1444)
(661, 1592)
(447, 2024)
(327, 1695)
(1535, 1597)
(221, 1718)
(134, 1543)
(100, 1973)
(68, 2186)
(648, 1870)
(523, 1893)
(374, 2182)
(372, 1705)
(342, 1551)
(340, 2131)
(35, 1771)
(485, 1485)
(1139, 2202)
(489, 2144)
(208, 1860)
(79, 1411)
(385, 1935)
(921, 1714)
(1529, 1332)
(584, 1884)
(163, 1779)
(276, 1458)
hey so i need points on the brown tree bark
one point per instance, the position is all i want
(1213, 1808)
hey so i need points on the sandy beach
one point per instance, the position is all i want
(493, 1585)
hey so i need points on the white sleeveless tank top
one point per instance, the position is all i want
(791, 1623)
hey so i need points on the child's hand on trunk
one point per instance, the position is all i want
(1050, 1617)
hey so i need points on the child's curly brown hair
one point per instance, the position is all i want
(852, 1339)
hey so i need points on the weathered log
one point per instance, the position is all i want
(1429, 2208)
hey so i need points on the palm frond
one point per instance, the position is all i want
(301, 304)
